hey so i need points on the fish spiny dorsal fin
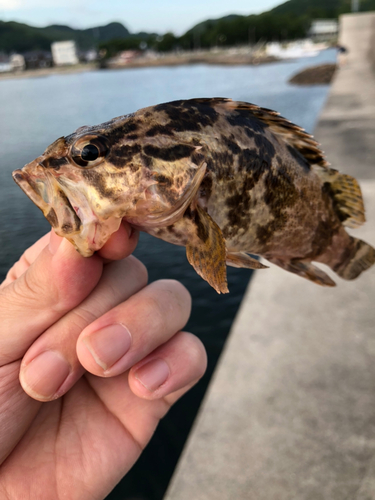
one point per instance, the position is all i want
(290, 133)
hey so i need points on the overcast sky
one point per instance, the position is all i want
(138, 15)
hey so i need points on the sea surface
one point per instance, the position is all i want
(36, 111)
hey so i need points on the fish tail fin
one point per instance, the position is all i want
(358, 257)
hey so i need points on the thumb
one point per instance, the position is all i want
(56, 282)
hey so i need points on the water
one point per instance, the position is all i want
(34, 112)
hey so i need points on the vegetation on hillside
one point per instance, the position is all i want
(17, 37)
(288, 21)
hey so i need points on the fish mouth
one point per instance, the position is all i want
(53, 202)
(66, 208)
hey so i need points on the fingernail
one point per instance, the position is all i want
(109, 344)
(45, 374)
(153, 374)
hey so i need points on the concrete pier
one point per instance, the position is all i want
(290, 412)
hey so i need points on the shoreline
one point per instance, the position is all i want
(215, 59)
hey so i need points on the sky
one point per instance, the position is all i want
(157, 16)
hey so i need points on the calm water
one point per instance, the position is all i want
(34, 112)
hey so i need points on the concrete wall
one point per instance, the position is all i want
(290, 413)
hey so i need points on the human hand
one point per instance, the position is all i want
(91, 426)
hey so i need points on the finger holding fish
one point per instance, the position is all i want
(50, 366)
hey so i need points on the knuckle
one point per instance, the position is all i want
(82, 316)
(28, 288)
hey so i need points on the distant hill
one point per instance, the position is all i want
(21, 37)
(288, 21)
(320, 9)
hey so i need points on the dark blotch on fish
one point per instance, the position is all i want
(239, 205)
(97, 180)
(172, 153)
(231, 145)
(117, 134)
(266, 148)
(119, 156)
(52, 218)
(250, 124)
(54, 163)
(201, 228)
(185, 116)
(206, 187)
(280, 193)
(167, 182)
(299, 158)
(159, 130)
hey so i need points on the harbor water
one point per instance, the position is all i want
(36, 111)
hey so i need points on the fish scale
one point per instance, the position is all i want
(224, 178)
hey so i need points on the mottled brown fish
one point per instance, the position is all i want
(222, 178)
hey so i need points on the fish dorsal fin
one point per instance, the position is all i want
(290, 133)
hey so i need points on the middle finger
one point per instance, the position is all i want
(115, 342)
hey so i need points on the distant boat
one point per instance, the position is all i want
(294, 50)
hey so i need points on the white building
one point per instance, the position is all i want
(17, 61)
(64, 53)
(324, 29)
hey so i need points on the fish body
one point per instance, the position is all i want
(223, 178)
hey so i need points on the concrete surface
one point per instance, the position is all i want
(290, 413)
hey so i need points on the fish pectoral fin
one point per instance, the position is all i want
(241, 259)
(206, 250)
(305, 270)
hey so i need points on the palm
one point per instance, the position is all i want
(80, 445)
(94, 426)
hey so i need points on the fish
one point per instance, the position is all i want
(229, 180)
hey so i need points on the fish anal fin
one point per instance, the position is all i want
(206, 250)
(305, 270)
(346, 195)
(241, 259)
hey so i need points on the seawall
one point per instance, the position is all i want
(290, 412)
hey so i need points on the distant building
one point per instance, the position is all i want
(64, 53)
(324, 29)
(88, 56)
(35, 59)
(123, 58)
(17, 61)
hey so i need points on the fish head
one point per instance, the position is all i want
(87, 182)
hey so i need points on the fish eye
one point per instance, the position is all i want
(90, 153)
